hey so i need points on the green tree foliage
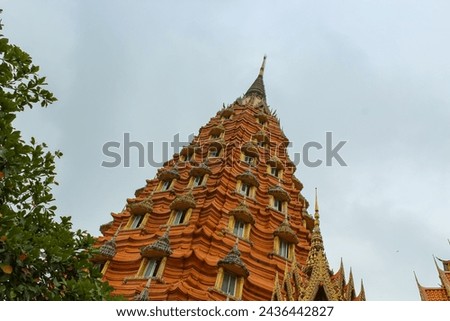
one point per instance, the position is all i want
(40, 258)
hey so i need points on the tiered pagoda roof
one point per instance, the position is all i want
(223, 220)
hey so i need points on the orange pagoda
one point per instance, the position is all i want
(441, 293)
(224, 219)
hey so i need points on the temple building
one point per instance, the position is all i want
(441, 293)
(224, 219)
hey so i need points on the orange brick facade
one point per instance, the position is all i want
(223, 219)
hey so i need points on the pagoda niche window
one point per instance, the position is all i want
(199, 175)
(274, 171)
(239, 227)
(188, 157)
(217, 132)
(214, 151)
(249, 159)
(278, 204)
(179, 217)
(136, 221)
(261, 143)
(152, 267)
(229, 283)
(285, 239)
(165, 185)
(188, 152)
(181, 208)
(198, 180)
(249, 153)
(231, 274)
(246, 189)
(283, 248)
(226, 114)
(275, 167)
(247, 184)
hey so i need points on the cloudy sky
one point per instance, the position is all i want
(374, 73)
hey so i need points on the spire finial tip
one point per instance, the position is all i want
(261, 71)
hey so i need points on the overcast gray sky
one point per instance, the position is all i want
(375, 73)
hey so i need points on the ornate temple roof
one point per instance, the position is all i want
(441, 293)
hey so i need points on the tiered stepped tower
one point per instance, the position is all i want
(223, 220)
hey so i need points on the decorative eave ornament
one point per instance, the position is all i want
(249, 178)
(183, 202)
(243, 213)
(275, 162)
(232, 262)
(250, 149)
(159, 248)
(168, 174)
(227, 112)
(261, 136)
(285, 232)
(279, 193)
(140, 207)
(200, 170)
(262, 116)
(191, 149)
(217, 130)
(108, 250)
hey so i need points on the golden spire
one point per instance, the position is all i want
(316, 209)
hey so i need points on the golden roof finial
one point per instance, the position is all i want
(316, 209)
(261, 70)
